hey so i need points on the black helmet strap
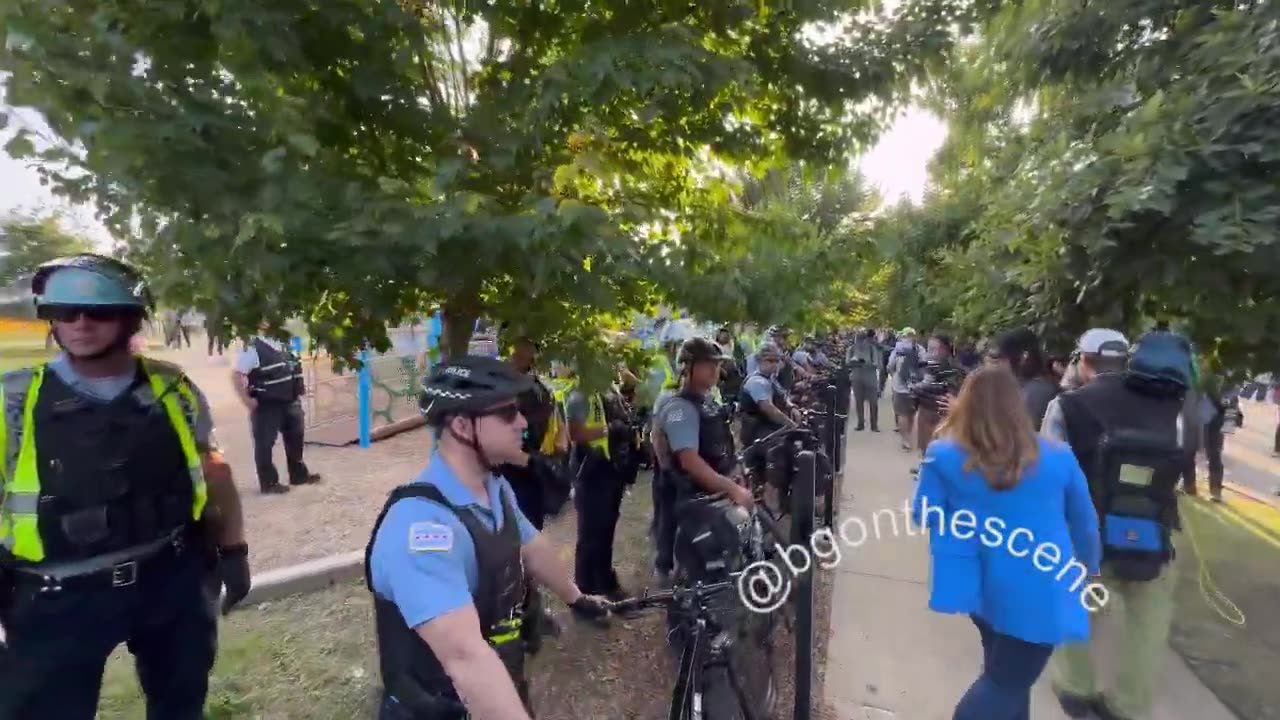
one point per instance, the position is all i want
(474, 441)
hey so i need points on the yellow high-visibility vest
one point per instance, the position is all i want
(20, 474)
(596, 420)
(548, 446)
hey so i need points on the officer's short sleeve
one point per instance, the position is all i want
(202, 425)
(680, 425)
(416, 562)
(247, 360)
(576, 407)
(527, 531)
(759, 388)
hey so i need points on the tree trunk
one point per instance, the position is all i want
(457, 322)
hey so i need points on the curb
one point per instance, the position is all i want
(1252, 494)
(305, 577)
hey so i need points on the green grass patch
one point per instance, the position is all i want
(1230, 550)
(307, 656)
(18, 357)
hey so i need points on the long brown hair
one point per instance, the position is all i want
(989, 420)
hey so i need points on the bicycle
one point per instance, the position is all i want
(712, 683)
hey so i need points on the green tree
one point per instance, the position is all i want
(1113, 164)
(26, 242)
(553, 164)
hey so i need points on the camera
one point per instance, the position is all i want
(940, 378)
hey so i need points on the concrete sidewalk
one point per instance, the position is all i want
(891, 657)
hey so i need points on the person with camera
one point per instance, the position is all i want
(940, 383)
(1124, 424)
(865, 359)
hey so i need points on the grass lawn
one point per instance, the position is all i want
(12, 357)
(1236, 549)
(313, 657)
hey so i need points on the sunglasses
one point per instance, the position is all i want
(72, 313)
(506, 413)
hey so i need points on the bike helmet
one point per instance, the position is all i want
(93, 280)
(468, 386)
(769, 351)
(700, 350)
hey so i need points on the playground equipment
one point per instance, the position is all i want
(379, 399)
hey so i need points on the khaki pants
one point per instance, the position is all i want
(1147, 614)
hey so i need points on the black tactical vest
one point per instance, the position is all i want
(278, 377)
(715, 445)
(411, 673)
(755, 424)
(112, 474)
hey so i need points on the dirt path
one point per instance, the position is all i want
(311, 521)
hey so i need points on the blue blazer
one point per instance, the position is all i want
(1020, 558)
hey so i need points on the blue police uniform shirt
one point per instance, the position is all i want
(761, 388)
(106, 389)
(679, 420)
(423, 558)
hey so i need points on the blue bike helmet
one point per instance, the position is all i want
(90, 280)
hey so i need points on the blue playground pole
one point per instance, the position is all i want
(296, 343)
(365, 383)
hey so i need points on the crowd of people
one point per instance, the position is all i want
(120, 522)
(1086, 452)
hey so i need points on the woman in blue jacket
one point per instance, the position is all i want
(1013, 541)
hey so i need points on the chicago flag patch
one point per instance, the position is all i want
(430, 537)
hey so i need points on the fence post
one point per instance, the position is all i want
(802, 501)
(364, 386)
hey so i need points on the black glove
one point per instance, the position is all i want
(233, 568)
(593, 608)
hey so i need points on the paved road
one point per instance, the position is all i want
(1247, 456)
(889, 656)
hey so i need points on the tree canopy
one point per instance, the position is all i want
(26, 242)
(1107, 164)
(557, 165)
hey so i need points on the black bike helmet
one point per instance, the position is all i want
(700, 350)
(468, 386)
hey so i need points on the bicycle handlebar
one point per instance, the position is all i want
(672, 596)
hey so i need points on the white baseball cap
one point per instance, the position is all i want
(1103, 341)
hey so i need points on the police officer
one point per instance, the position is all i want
(538, 477)
(696, 440)
(763, 401)
(119, 519)
(1117, 424)
(447, 558)
(865, 357)
(597, 432)
(268, 379)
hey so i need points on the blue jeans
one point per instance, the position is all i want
(1009, 668)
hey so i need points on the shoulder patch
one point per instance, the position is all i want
(430, 537)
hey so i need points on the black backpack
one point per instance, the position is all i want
(1138, 507)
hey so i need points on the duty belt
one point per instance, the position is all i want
(118, 569)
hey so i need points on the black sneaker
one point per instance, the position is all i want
(875, 429)
(310, 479)
(1076, 706)
(275, 490)
(859, 428)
